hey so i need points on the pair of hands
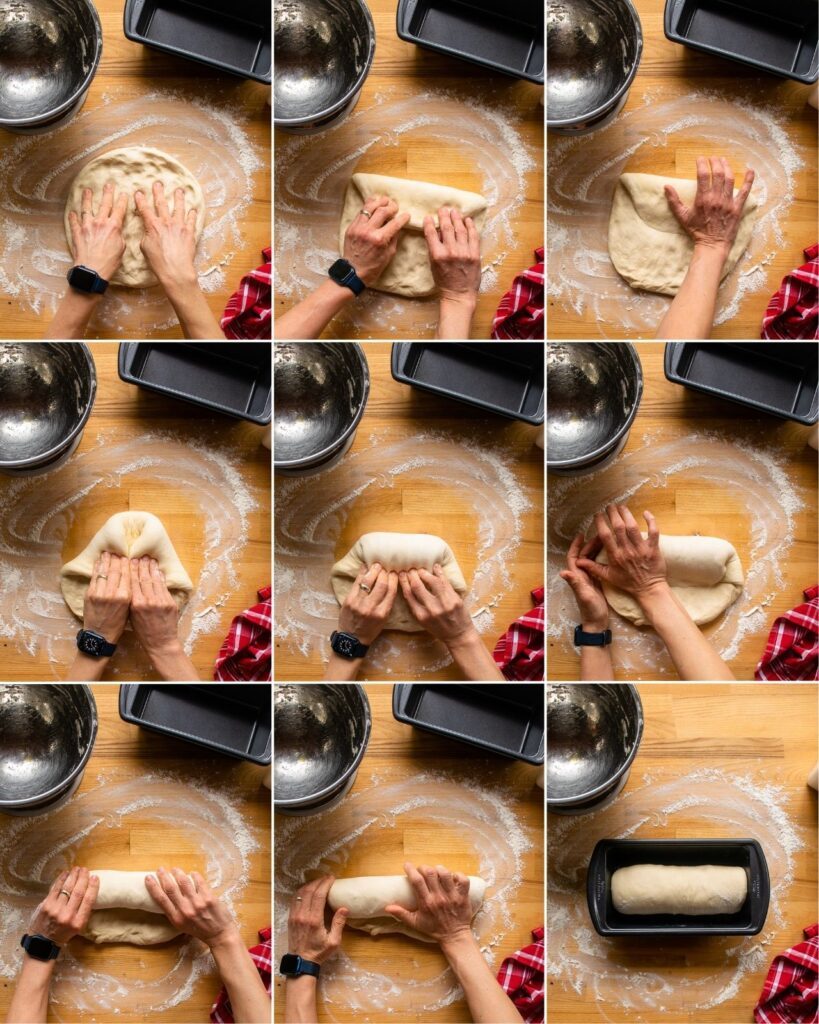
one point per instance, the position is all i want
(713, 219)
(454, 247)
(444, 912)
(169, 243)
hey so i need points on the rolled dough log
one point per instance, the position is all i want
(127, 533)
(126, 912)
(704, 572)
(367, 896)
(679, 889)
(409, 272)
(646, 243)
(397, 551)
(132, 168)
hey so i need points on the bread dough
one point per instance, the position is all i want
(397, 551)
(126, 912)
(127, 533)
(646, 243)
(132, 168)
(367, 896)
(704, 572)
(679, 889)
(409, 272)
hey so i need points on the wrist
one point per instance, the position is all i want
(716, 249)
(179, 282)
(594, 625)
(458, 941)
(652, 596)
(465, 299)
(465, 640)
(227, 938)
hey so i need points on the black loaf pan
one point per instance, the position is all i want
(503, 36)
(233, 378)
(777, 37)
(222, 34)
(234, 719)
(504, 719)
(780, 377)
(504, 378)
(611, 854)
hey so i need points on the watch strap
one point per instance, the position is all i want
(294, 966)
(28, 942)
(583, 639)
(358, 650)
(104, 649)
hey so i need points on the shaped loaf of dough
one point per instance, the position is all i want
(704, 572)
(367, 896)
(397, 551)
(679, 889)
(646, 243)
(126, 912)
(409, 272)
(132, 534)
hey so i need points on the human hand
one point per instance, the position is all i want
(714, 217)
(307, 935)
(635, 563)
(154, 615)
(372, 238)
(60, 917)
(169, 242)
(190, 906)
(97, 240)
(591, 602)
(454, 254)
(436, 604)
(108, 599)
(363, 614)
(444, 908)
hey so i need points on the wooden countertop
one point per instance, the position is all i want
(766, 730)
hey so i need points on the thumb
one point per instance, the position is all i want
(678, 208)
(595, 569)
(401, 914)
(337, 924)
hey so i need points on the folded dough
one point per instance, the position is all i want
(409, 272)
(127, 533)
(646, 243)
(126, 912)
(704, 572)
(679, 889)
(367, 896)
(397, 551)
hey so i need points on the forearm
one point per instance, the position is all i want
(455, 317)
(173, 664)
(342, 670)
(596, 664)
(691, 313)
(29, 1004)
(487, 1001)
(473, 659)
(300, 1000)
(248, 996)
(308, 318)
(191, 307)
(84, 669)
(693, 656)
(73, 315)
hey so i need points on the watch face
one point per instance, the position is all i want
(289, 964)
(82, 277)
(339, 270)
(344, 645)
(38, 947)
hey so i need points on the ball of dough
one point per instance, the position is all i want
(679, 889)
(126, 912)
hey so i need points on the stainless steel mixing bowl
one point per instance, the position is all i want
(320, 391)
(49, 54)
(320, 734)
(593, 731)
(593, 392)
(594, 49)
(323, 53)
(47, 391)
(47, 733)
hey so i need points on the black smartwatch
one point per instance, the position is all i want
(84, 279)
(39, 947)
(343, 273)
(294, 966)
(347, 645)
(582, 639)
(94, 644)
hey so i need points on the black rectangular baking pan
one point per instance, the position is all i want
(777, 37)
(503, 36)
(611, 854)
(778, 377)
(234, 719)
(229, 36)
(233, 377)
(504, 719)
(504, 377)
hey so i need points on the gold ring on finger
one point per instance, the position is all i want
(365, 588)
(66, 893)
(366, 213)
(101, 577)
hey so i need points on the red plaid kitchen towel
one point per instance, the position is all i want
(246, 653)
(793, 312)
(791, 991)
(520, 313)
(519, 652)
(262, 955)
(792, 650)
(521, 978)
(247, 314)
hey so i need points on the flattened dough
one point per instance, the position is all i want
(704, 572)
(132, 168)
(367, 896)
(679, 889)
(127, 533)
(646, 243)
(397, 551)
(409, 272)
(126, 912)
